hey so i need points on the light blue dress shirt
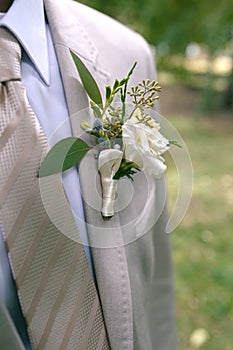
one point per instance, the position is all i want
(42, 79)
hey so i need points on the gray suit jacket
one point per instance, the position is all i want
(134, 280)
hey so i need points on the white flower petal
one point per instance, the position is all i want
(144, 145)
(154, 166)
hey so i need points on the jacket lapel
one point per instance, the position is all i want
(110, 264)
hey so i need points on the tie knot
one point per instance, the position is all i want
(10, 56)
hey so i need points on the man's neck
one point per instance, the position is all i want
(5, 5)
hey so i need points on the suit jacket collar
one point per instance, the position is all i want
(68, 33)
(63, 31)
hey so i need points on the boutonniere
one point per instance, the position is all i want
(128, 138)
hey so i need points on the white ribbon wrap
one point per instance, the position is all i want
(108, 163)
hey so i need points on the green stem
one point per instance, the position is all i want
(125, 92)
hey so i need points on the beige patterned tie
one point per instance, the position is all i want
(54, 282)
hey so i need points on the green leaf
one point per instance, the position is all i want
(116, 84)
(174, 143)
(65, 154)
(96, 110)
(123, 81)
(126, 168)
(108, 92)
(88, 81)
(131, 70)
(124, 93)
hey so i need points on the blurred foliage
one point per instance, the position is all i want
(171, 25)
(203, 243)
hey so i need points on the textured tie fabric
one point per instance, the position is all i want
(55, 286)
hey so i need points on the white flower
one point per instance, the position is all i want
(144, 144)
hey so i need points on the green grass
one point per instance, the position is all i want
(203, 243)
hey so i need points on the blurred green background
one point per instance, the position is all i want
(194, 49)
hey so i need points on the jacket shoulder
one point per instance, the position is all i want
(104, 26)
(115, 42)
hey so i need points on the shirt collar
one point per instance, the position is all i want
(26, 20)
